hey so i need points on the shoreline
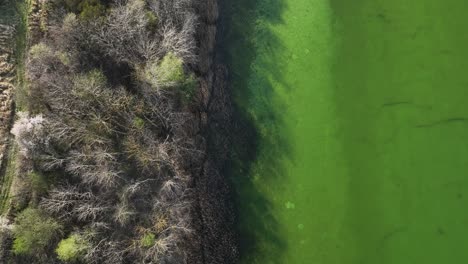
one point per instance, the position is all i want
(215, 207)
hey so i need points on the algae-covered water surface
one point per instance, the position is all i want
(354, 130)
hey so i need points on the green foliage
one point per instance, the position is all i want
(72, 248)
(87, 9)
(33, 231)
(152, 20)
(138, 122)
(148, 240)
(171, 69)
(70, 22)
(91, 9)
(20, 51)
(38, 182)
(85, 84)
(168, 73)
(39, 51)
(94, 78)
(188, 88)
(63, 57)
(73, 5)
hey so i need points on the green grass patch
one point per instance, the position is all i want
(20, 51)
(17, 12)
(9, 173)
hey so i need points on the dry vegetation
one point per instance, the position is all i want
(7, 77)
(106, 146)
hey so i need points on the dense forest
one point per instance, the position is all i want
(107, 135)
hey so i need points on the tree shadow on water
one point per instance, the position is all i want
(253, 54)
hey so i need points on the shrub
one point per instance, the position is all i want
(72, 248)
(138, 123)
(72, 5)
(171, 70)
(94, 78)
(168, 73)
(29, 133)
(33, 231)
(187, 89)
(88, 86)
(152, 20)
(87, 9)
(91, 9)
(161, 223)
(70, 22)
(148, 240)
(38, 182)
(63, 57)
(39, 51)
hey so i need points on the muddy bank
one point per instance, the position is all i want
(214, 212)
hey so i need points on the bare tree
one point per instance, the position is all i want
(68, 202)
(94, 166)
(177, 27)
(124, 35)
(123, 214)
(106, 251)
(138, 188)
(171, 190)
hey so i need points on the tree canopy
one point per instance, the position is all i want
(33, 232)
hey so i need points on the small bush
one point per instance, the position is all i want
(72, 5)
(39, 51)
(70, 22)
(138, 123)
(187, 89)
(152, 20)
(168, 73)
(33, 231)
(94, 78)
(72, 248)
(88, 86)
(171, 69)
(148, 240)
(63, 57)
(91, 9)
(38, 182)
(161, 223)
(87, 9)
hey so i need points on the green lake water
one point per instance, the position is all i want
(353, 143)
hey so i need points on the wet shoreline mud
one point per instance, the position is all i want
(214, 212)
